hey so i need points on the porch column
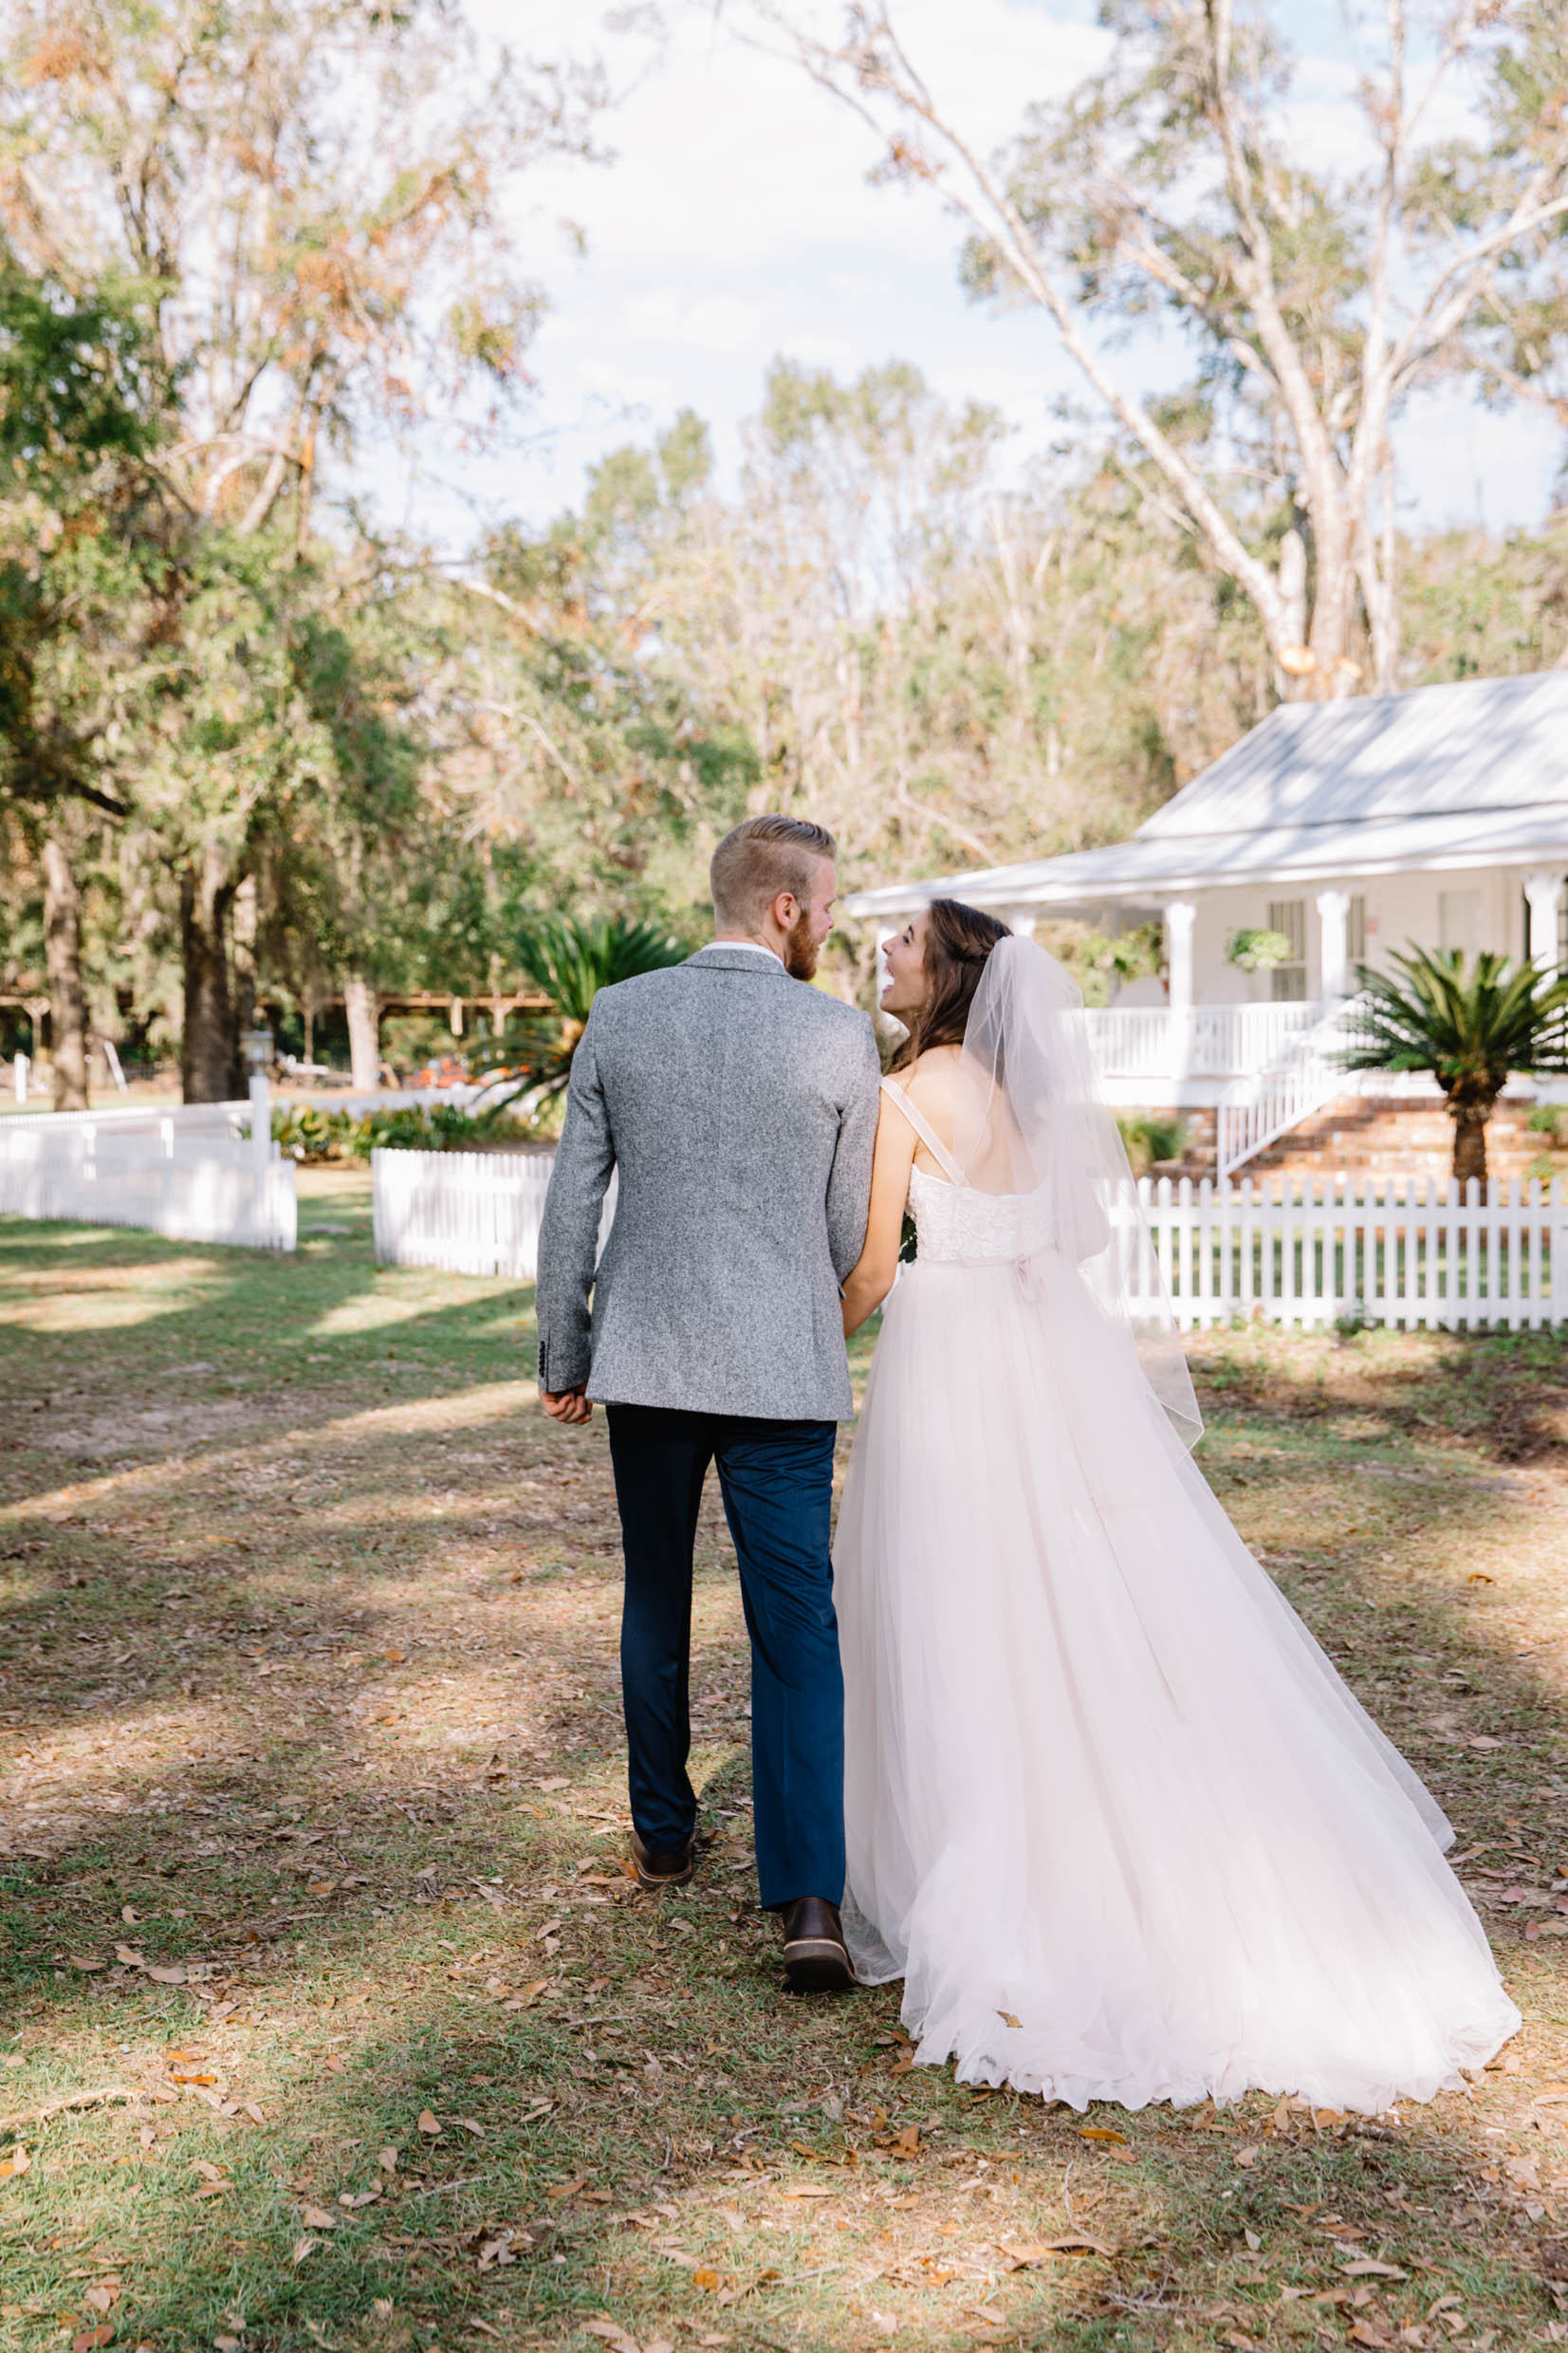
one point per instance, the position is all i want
(1179, 915)
(1021, 920)
(1544, 893)
(1332, 911)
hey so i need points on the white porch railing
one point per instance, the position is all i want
(1209, 1042)
(1396, 1250)
(196, 1185)
(1306, 1073)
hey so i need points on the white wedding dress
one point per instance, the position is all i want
(1112, 1815)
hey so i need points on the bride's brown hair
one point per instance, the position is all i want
(958, 941)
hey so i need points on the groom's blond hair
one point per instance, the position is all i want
(760, 858)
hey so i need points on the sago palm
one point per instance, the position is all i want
(570, 962)
(1469, 1026)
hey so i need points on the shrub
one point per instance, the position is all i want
(1150, 1138)
(316, 1136)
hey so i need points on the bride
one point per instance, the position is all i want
(1112, 1815)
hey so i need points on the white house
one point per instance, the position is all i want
(1438, 816)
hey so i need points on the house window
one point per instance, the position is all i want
(1459, 920)
(1288, 981)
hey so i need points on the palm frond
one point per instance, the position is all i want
(1470, 1024)
(570, 962)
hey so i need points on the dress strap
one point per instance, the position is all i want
(927, 1134)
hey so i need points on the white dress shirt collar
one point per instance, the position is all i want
(747, 947)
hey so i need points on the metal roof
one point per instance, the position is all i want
(1473, 774)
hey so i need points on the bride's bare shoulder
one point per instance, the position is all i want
(932, 1077)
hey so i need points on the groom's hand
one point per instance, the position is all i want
(569, 1405)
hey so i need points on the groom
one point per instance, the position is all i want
(739, 1109)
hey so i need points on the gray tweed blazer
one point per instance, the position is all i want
(739, 1109)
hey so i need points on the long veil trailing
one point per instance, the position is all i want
(1031, 1119)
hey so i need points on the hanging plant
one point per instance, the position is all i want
(1258, 951)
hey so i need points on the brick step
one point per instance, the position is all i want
(1372, 1136)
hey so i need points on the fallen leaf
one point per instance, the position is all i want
(387, 2160)
(1249, 2156)
(168, 1976)
(129, 1913)
(321, 1887)
(90, 2339)
(427, 2126)
(801, 2190)
(317, 2218)
(612, 2334)
(1101, 2132)
(16, 2160)
(302, 2248)
(1072, 2243)
(1364, 2267)
(80, 1961)
(102, 2296)
(567, 2189)
(704, 2278)
(469, 2126)
(1008, 2019)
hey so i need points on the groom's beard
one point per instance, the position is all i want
(799, 950)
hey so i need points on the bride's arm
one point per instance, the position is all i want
(870, 1278)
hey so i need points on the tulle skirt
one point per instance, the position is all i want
(1112, 1815)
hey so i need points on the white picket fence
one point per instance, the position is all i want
(474, 1212)
(193, 1181)
(204, 1188)
(1399, 1250)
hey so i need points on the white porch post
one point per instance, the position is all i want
(1543, 892)
(1021, 920)
(1180, 915)
(1333, 914)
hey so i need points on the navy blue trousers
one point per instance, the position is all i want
(777, 1481)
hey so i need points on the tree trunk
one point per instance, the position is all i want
(364, 1024)
(1469, 1140)
(208, 1053)
(62, 955)
(245, 973)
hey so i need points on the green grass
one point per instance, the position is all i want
(308, 1700)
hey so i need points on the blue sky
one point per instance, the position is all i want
(736, 223)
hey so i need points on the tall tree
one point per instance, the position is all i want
(316, 267)
(944, 665)
(81, 519)
(1173, 180)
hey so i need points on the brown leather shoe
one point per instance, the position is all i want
(664, 1870)
(816, 1958)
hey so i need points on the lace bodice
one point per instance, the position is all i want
(958, 1225)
